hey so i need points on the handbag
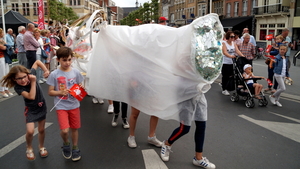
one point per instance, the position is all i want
(43, 53)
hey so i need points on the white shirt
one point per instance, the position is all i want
(38, 50)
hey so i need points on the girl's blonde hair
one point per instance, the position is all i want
(9, 79)
(280, 37)
(44, 32)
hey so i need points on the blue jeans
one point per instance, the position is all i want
(39, 71)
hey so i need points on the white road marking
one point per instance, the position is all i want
(289, 130)
(152, 160)
(18, 142)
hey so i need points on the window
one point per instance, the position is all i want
(297, 6)
(25, 9)
(245, 5)
(271, 25)
(35, 8)
(262, 34)
(15, 7)
(78, 2)
(263, 26)
(228, 10)
(71, 2)
(86, 3)
(74, 2)
(267, 29)
(236, 9)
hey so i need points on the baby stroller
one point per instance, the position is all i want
(241, 88)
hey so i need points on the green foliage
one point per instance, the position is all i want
(59, 12)
(144, 14)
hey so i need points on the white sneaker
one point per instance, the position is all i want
(41, 81)
(278, 104)
(114, 121)
(165, 152)
(110, 109)
(125, 124)
(225, 92)
(95, 100)
(203, 163)
(45, 80)
(100, 101)
(154, 141)
(272, 99)
(131, 142)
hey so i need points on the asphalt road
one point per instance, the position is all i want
(236, 137)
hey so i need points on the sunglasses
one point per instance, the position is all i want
(232, 36)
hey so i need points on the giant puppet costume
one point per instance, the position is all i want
(157, 68)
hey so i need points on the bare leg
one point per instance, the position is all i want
(153, 124)
(198, 156)
(75, 136)
(65, 135)
(41, 128)
(29, 134)
(110, 102)
(132, 120)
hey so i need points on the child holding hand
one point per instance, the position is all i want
(250, 83)
(25, 84)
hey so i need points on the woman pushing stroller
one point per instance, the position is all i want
(250, 83)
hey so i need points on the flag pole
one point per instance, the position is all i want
(3, 19)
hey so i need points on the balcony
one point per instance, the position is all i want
(270, 9)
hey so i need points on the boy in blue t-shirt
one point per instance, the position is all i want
(67, 108)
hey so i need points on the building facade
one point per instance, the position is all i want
(271, 17)
(29, 8)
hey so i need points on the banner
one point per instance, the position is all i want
(41, 15)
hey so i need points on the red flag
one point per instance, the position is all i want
(41, 20)
(269, 47)
(269, 37)
(269, 82)
(78, 92)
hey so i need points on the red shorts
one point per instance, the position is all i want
(68, 118)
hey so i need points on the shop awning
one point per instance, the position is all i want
(231, 22)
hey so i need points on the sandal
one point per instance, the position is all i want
(43, 152)
(30, 155)
(258, 97)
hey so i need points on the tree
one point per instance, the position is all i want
(145, 13)
(59, 11)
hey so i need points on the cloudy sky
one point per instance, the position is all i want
(129, 3)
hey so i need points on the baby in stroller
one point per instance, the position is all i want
(250, 83)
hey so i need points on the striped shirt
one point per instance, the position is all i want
(247, 49)
(30, 43)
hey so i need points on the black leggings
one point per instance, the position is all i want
(117, 108)
(227, 71)
(198, 137)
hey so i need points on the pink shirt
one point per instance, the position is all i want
(30, 43)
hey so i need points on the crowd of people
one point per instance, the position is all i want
(34, 69)
(277, 66)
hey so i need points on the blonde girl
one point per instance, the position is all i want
(281, 71)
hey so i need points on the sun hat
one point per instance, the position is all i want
(246, 66)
